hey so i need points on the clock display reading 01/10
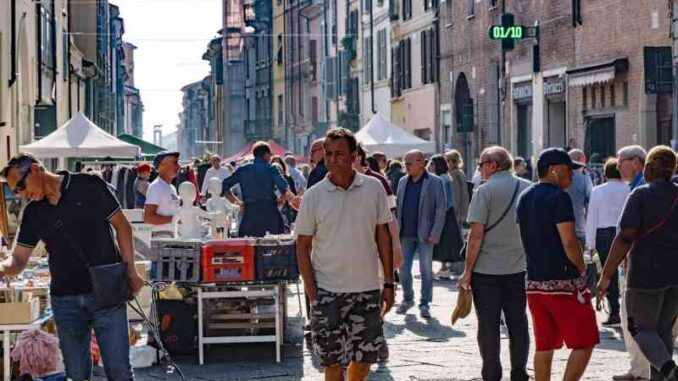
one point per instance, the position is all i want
(498, 32)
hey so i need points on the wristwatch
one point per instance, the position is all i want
(389, 285)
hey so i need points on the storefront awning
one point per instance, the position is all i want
(597, 73)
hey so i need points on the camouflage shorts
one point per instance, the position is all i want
(347, 327)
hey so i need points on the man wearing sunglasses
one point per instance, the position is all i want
(86, 209)
(319, 170)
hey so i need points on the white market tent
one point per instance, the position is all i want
(379, 134)
(79, 137)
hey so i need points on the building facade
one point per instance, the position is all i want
(134, 107)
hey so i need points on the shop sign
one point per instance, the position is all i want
(522, 91)
(554, 87)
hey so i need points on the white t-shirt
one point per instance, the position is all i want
(343, 225)
(220, 173)
(166, 198)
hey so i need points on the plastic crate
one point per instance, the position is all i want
(175, 261)
(276, 258)
(228, 261)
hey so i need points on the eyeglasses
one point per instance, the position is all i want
(21, 184)
(480, 165)
(626, 158)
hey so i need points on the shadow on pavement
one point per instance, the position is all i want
(430, 329)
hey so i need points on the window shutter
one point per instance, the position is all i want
(434, 56)
(424, 57)
(408, 63)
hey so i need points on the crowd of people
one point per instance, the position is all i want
(518, 238)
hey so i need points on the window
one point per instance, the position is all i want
(407, 9)
(395, 71)
(279, 58)
(329, 77)
(612, 96)
(626, 94)
(280, 109)
(381, 55)
(380, 3)
(602, 96)
(343, 72)
(430, 4)
(450, 13)
(66, 68)
(367, 59)
(576, 13)
(424, 56)
(46, 55)
(429, 66)
(393, 10)
(470, 8)
(593, 97)
(447, 128)
(493, 3)
(313, 58)
(584, 102)
(367, 6)
(405, 64)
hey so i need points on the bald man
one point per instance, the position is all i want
(317, 161)
(421, 207)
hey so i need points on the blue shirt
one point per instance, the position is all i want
(541, 207)
(257, 181)
(637, 181)
(580, 193)
(411, 207)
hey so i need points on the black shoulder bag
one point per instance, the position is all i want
(109, 282)
(494, 225)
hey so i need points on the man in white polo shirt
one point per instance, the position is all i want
(343, 221)
(162, 200)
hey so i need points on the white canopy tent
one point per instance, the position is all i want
(79, 137)
(379, 134)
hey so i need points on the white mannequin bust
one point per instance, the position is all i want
(188, 216)
(217, 207)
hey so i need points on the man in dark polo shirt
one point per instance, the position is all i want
(557, 296)
(88, 210)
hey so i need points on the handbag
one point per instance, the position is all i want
(109, 282)
(494, 225)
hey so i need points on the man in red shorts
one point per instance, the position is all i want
(557, 296)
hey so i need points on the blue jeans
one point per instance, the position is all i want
(75, 317)
(410, 247)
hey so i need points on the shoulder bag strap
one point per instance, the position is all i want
(663, 220)
(513, 199)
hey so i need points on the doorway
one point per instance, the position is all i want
(524, 135)
(600, 136)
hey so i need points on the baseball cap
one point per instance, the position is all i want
(556, 156)
(160, 156)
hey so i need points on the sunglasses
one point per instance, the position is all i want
(21, 184)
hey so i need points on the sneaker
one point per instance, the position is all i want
(382, 356)
(404, 307)
(442, 274)
(612, 322)
(425, 313)
(627, 377)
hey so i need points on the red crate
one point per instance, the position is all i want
(228, 261)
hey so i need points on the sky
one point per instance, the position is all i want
(171, 37)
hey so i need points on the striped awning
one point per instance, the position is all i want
(597, 73)
(592, 77)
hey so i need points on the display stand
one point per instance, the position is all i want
(271, 290)
(7, 329)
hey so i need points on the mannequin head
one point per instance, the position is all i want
(214, 186)
(187, 192)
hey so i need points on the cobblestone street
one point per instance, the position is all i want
(420, 350)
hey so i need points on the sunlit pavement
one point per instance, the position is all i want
(419, 350)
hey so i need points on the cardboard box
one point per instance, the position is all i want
(20, 313)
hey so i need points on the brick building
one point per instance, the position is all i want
(588, 89)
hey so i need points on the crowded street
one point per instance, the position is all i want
(338, 190)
